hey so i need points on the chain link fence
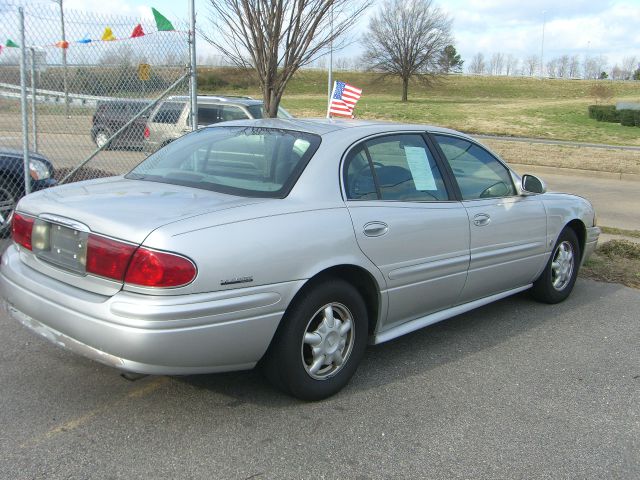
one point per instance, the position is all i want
(93, 82)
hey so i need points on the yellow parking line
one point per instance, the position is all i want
(137, 393)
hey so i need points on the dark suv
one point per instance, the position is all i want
(111, 115)
(12, 181)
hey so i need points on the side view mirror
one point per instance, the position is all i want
(532, 184)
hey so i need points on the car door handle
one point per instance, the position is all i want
(481, 219)
(375, 229)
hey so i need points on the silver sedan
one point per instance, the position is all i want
(288, 243)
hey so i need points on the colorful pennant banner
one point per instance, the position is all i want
(162, 24)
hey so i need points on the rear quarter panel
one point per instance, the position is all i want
(271, 247)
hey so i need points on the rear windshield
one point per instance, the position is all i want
(246, 161)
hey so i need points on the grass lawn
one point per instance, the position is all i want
(529, 107)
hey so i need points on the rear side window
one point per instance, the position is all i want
(208, 114)
(394, 167)
(230, 112)
(169, 112)
(257, 111)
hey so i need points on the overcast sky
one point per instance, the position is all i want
(593, 27)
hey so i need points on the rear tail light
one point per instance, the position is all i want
(147, 132)
(21, 229)
(137, 265)
(150, 268)
(108, 258)
(116, 260)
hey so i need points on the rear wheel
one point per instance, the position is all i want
(320, 342)
(559, 276)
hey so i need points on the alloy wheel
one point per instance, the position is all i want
(328, 341)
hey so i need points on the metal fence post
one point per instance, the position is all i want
(34, 123)
(23, 104)
(193, 81)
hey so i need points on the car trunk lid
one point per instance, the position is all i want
(116, 208)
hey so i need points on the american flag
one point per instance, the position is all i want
(344, 99)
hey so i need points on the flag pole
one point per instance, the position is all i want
(333, 90)
(330, 85)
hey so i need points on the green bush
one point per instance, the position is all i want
(627, 118)
(636, 117)
(604, 113)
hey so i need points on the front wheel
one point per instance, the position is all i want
(7, 205)
(320, 342)
(559, 276)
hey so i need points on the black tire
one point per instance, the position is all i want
(289, 360)
(552, 287)
(7, 205)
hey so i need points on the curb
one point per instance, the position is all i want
(523, 167)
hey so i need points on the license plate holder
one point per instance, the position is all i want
(62, 246)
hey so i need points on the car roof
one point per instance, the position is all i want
(323, 126)
(205, 99)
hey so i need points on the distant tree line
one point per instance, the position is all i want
(564, 66)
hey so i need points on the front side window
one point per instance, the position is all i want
(478, 173)
(245, 161)
(394, 167)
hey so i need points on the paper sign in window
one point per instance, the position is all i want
(420, 168)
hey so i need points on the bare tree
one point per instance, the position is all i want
(574, 66)
(563, 66)
(511, 64)
(629, 65)
(616, 73)
(531, 64)
(496, 64)
(552, 68)
(405, 39)
(594, 66)
(477, 65)
(277, 37)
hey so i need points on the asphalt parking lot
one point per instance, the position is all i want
(513, 390)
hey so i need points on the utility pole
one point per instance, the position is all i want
(330, 80)
(64, 59)
(544, 12)
(193, 79)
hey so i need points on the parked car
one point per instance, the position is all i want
(170, 119)
(286, 242)
(111, 115)
(12, 181)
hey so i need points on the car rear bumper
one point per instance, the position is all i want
(186, 334)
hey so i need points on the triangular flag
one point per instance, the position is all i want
(107, 36)
(85, 40)
(12, 44)
(137, 31)
(62, 44)
(162, 23)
